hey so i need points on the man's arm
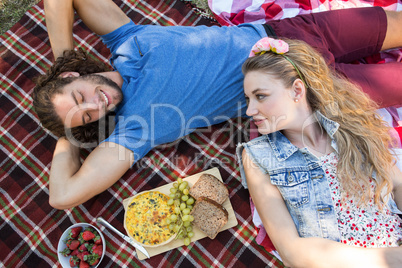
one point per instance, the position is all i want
(59, 23)
(71, 183)
(306, 252)
(101, 16)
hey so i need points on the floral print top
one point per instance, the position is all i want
(362, 226)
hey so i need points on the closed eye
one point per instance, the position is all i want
(89, 118)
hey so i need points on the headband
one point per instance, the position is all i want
(276, 46)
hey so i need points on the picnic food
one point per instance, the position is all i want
(209, 216)
(211, 187)
(180, 220)
(146, 218)
(83, 247)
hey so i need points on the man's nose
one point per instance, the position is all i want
(92, 106)
(95, 103)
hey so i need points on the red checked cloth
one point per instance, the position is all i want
(234, 12)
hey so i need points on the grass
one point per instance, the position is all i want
(11, 12)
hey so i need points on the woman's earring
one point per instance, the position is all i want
(296, 100)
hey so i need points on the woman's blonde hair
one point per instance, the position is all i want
(363, 139)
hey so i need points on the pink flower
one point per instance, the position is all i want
(269, 44)
(279, 46)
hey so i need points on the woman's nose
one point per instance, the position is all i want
(251, 109)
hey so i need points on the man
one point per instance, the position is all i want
(159, 95)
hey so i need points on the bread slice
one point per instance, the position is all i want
(209, 216)
(211, 187)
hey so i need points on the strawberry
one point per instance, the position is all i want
(84, 247)
(92, 259)
(87, 235)
(74, 244)
(98, 239)
(66, 252)
(75, 252)
(74, 261)
(97, 249)
(82, 255)
(74, 232)
(84, 264)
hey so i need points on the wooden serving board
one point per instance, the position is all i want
(232, 221)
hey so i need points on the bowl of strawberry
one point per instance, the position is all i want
(81, 245)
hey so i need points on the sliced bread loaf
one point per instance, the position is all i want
(209, 216)
(211, 187)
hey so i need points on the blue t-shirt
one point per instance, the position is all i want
(177, 79)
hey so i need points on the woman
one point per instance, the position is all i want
(321, 176)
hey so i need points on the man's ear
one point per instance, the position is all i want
(69, 74)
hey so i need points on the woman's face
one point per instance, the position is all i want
(86, 100)
(271, 105)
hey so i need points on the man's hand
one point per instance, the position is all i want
(101, 16)
(71, 183)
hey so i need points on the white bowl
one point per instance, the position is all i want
(65, 261)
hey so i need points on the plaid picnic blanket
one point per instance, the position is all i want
(30, 228)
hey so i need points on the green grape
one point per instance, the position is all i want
(180, 221)
(176, 228)
(186, 241)
(173, 190)
(183, 186)
(170, 202)
(190, 201)
(186, 211)
(173, 217)
(190, 234)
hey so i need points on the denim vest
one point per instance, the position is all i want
(300, 179)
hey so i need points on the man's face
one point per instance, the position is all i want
(86, 99)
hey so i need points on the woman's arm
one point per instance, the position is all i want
(397, 186)
(306, 252)
(101, 16)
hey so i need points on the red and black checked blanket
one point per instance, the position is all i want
(30, 228)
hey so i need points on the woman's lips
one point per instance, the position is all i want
(258, 121)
